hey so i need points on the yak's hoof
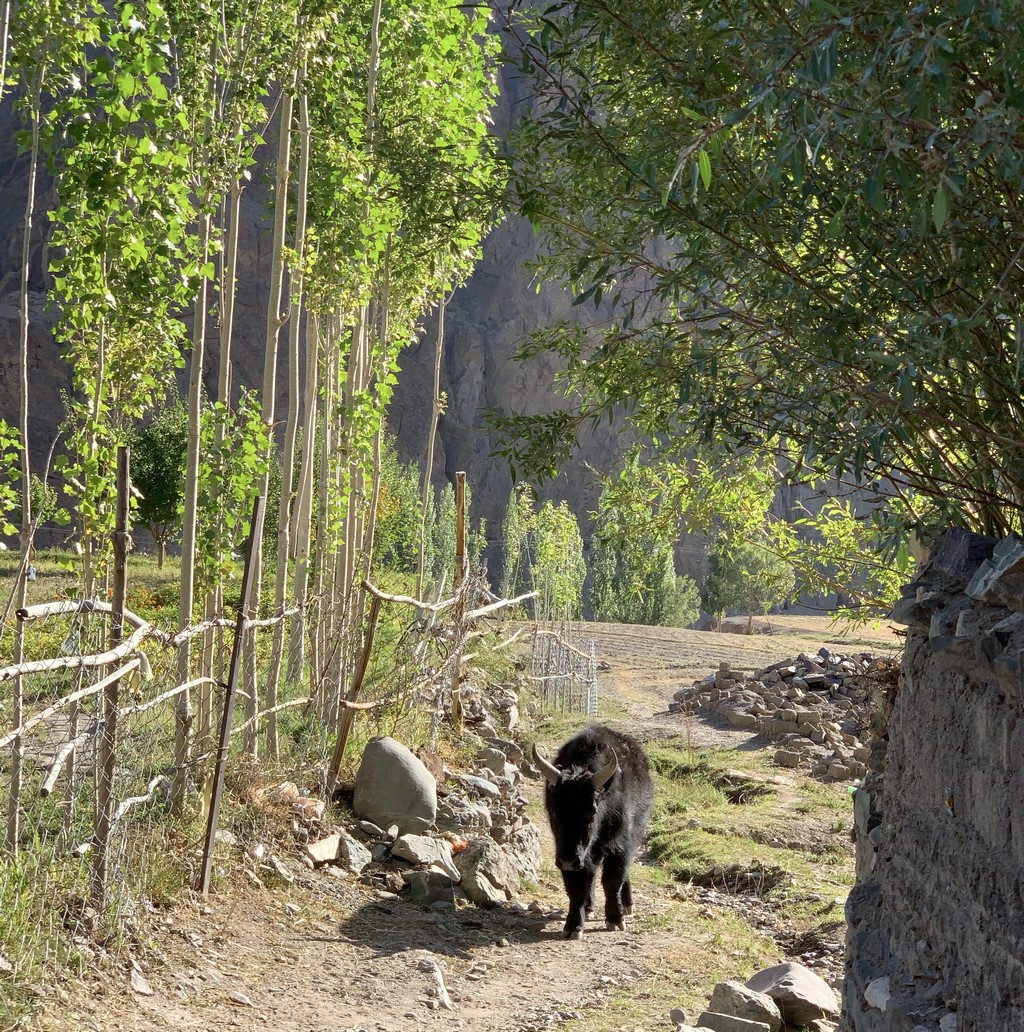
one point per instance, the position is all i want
(590, 913)
(627, 911)
(615, 926)
(574, 933)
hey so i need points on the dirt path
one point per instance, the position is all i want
(330, 954)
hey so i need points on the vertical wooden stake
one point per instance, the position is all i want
(348, 716)
(460, 529)
(250, 578)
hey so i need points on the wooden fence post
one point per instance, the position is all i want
(347, 715)
(250, 578)
(460, 529)
(107, 749)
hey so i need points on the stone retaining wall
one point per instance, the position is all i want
(936, 921)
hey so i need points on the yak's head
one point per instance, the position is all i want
(573, 800)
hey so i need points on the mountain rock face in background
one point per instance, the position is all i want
(486, 322)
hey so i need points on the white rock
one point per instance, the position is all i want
(876, 993)
(139, 983)
(947, 1023)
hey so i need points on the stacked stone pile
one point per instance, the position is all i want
(817, 707)
(432, 835)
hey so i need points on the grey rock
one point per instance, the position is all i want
(493, 759)
(489, 877)
(429, 887)
(741, 721)
(802, 995)
(876, 993)
(510, 749)
(456, 813)
(394, 787)
(787, 758)
(481, 786)
(523, 847)
(1000, 579)
(428, 852)
(736, 999)
(352, 854)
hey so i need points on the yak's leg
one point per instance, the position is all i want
(579, 886)
(627, 896)
(613, 879)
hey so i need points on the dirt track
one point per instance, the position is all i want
(330, 954)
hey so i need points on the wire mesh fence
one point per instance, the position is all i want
(116, 738)
(565, 672)
(75, 878)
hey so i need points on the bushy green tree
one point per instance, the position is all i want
(10, 452)
(805, 219)
(158, 471)
(747, 577)
(441, 535)
(396, 533)
(543, 552)
(632, 554)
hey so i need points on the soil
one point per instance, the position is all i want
(332, 954)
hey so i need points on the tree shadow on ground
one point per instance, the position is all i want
(388, 927)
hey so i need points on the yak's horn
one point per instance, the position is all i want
(551, 773)
(601, 778)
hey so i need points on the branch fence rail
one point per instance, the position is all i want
(107, 758)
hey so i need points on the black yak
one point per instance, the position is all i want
(598, 798)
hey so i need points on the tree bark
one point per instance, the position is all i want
(275, 320)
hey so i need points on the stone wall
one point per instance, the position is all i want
(936, 921)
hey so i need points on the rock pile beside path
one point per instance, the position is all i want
(434, 833)
(816, 707)
(778, 999)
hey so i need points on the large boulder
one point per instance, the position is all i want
(802, 996)
(489, 876)
(394, 787)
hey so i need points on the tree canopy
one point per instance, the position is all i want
(801, 224)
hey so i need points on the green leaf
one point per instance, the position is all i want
(704, 164)
(940, 208)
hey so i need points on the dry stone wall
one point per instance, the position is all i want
(936, 920)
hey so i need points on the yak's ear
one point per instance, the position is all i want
(601, 778)
(551, 773)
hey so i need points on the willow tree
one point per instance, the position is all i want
(806, 219)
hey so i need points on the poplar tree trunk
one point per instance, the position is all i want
(275, 320)
(291, 429)
(183, 706)
(21, 587)
(302, 515)
(428, 467)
